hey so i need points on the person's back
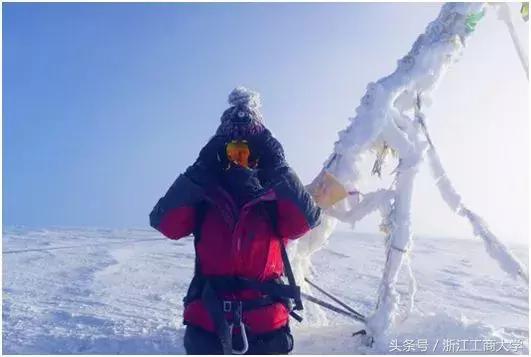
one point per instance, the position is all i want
(242, 202)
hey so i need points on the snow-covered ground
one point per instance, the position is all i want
(119, 291)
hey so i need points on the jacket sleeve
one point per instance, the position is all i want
(297, 212)
(174, 214)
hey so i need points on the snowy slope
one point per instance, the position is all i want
(119, 291)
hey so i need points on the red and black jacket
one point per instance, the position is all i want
(238, 240)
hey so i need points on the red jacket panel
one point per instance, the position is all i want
(237, 241)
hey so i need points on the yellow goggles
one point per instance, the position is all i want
(238, 152)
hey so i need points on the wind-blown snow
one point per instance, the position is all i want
(119, 291)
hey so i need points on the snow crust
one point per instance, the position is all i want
(81, 291)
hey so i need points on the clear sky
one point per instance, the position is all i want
(105, 104)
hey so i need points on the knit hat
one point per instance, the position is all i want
(243, 118)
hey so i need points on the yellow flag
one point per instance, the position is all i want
(326, 190)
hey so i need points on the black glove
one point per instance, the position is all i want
(270, 155)
(208, 166)
(212, 153)
(242, 184)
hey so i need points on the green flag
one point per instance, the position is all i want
(525, 11)
(473, 19)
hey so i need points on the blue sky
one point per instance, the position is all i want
(105, 104)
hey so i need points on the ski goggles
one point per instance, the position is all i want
(238, 152)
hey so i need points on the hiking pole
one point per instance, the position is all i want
(335, 299)
(332, 307)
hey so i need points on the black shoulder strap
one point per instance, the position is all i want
(291, 278)
(272, 211)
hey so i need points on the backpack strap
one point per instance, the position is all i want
(291, 277)
(271, 209)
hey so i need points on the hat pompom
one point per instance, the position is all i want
(243, 97)
(243, 119)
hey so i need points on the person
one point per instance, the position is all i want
(243, 203)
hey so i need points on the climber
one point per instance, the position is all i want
(243, 203)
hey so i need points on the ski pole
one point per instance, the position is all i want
(332, 307)
(334, 298)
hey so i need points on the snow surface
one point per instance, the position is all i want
(119, 291)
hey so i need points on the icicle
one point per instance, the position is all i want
(399, 242)
(371, 202)
(446, 189)
(494, 247)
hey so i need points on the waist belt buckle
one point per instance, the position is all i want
(227, 306)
